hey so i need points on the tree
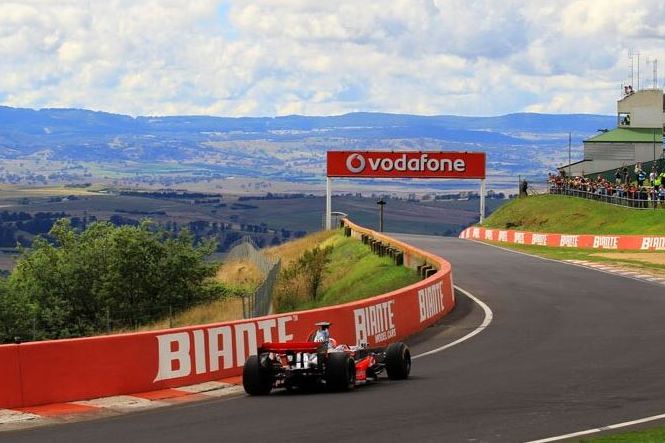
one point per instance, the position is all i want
(313, 265)
(130, 274)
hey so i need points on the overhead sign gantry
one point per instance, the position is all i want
(405, 164)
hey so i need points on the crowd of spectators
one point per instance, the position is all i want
(645, 191)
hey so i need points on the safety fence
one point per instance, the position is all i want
(584, 241)
(649, 198)
(45, 372)
(259, 302)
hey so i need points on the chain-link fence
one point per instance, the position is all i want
(260, 301)
(335, 219)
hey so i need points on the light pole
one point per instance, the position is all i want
(654, 147)
(569, 156)
(381, 204)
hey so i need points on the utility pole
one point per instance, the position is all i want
(570, 137)
(381, 204)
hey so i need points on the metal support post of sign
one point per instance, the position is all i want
(328, 203)
(482, 200)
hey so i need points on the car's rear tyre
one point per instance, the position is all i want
(398, 361)
(256, 379)
(340, 372)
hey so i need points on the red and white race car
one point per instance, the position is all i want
(322, 363)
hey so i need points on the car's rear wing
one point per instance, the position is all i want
(305, 346)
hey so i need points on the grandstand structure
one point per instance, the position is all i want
(638, 137)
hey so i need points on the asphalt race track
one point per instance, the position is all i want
(568, 349)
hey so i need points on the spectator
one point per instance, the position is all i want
(523, 188)
(641, 176)
(636, 194)
(643, 198)
(617, 176)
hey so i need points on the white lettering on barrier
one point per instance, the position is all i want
(176, 353)
(653, 243)
(503, 236)
(489, 234)
(568, 241)
(173, 348)
(375, 321)
(604, 242)
(430, 301)
(475, 233)
(519, 238)
(539, 239)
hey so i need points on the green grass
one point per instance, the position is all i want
(655, 435)
(355, 273)
(570, 215)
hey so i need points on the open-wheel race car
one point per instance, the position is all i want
(322, 363)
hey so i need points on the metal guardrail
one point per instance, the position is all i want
(258, 303)
(635, 200)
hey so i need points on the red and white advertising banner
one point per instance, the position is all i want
(583, 241)
(78, 369)
(406, 164)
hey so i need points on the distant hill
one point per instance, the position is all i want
(291, 147)
(54, 122)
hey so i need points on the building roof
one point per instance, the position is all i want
(628, 135)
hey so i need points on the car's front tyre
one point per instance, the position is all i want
(398, 361)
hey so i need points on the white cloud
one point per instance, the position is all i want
(275, 57)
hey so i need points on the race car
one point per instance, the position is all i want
(322, 363)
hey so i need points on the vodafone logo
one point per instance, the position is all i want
(355, 163)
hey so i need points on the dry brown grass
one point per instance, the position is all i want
(291, 251)
(656, 258)
(216, 311)
(242, 273)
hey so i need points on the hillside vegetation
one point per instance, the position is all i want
(351, 272)
(348, 271)
(570, 215)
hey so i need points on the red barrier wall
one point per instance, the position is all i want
(613, 242)
(10, 376)
(66, 370)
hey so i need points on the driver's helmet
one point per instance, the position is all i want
(322, 335)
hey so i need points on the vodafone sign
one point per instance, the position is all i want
(411, 164)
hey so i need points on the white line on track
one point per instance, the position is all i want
(486, 321)
(604, 428)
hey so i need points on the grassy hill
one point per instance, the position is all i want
(353, 273)
(570, 215)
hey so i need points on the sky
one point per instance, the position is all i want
(312, 57)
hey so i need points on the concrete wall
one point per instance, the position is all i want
(645, 152)
(645, 108)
